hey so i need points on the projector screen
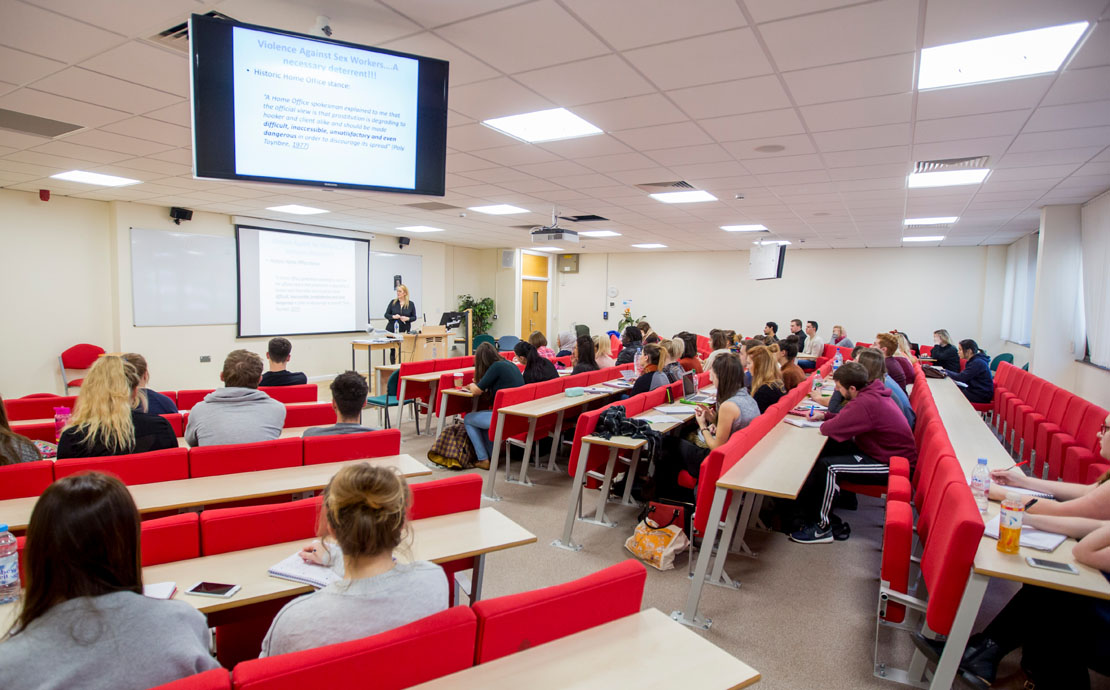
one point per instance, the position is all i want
(765, 261)
(275, 106)
(294, 283)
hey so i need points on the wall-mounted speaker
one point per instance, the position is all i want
(508, 258)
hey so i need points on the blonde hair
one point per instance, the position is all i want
(602, 346)
(139, 362)
(945, 339)
(764, 368)
(904, 347)
(366, 508)
(404, 303)
(102, 413)
(675, 348)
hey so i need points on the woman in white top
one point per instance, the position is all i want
(364, 510)
(603, 352)
(720, 342)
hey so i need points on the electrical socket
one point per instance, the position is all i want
(495, 317)
(205, 358)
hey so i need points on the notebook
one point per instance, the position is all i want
(1030, 538)
(294, 568)
(676, 408)
(619, 384)
(1018, 490)
(160, 590)
(799, 422)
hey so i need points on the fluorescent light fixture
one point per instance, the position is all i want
(420, 228)
(650, 246)
(924, 238)
(297, 209)
(94, 178)
(744, 228)
(683, 197)
(543, 249)
(1023, 54)
(498, 209)
(543, 125)
(939, 220)
(599, 233)
(947, 178)
(778, 242)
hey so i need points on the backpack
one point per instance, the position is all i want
(452, 449)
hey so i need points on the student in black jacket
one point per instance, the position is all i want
(278, 353)
(631, 340)
(536, 368)
(976, 373)
(944, 352)
(584, 358)
(399, 315)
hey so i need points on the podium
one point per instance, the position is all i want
(431, 343)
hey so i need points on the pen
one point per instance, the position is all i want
(1023, 462)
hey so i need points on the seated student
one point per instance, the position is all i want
(156, 403)
(771, 329)
(603, 351)
(944, 353)
(976, 373)
(797, 331)
(840, 337)
(812, 346)
(876, 430)
(690, 360)
(536, 368)
(645, 330)
(652, 338)
(538, 341)
(14, 448)
(107, 420)
(239, 412)
(899, 369)
(720, 342)
(875, 364)
(364, 511)
(631, 341)
(745, 346)
(674, 347)
(905, 348)
(348, 397)
(278, 353)
(492, 372)
(767, 387)
(584, 359)
(653, 359)
(85, 622)
(566, 343)
(792, 374)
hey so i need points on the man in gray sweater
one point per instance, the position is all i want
(239, 412)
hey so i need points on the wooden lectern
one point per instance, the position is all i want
(431, 343)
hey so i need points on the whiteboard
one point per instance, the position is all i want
(182, 279)
(385, 265)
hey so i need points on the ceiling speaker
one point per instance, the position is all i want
(508, 258)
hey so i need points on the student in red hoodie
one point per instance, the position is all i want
(869, 429)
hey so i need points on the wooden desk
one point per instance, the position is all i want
(201, 491)
(605, 657)
(457, 392)
(432, 343)
(971, 437)
(432, 379)
(287, 432)
(365, 344)
(382, 384)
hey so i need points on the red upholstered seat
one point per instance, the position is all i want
(40, 431)
(177, 422)
(172, 395)
(1096, 470)
(948, 555)
(309, 414)
(137, 468)
(216, 679)
(455, 404)
(340, 447)
(81, 356)
(39, 407)
(894, 569)
(235, 529)
(207, 461)
(443, 497)
(600, 376)
(412, 654)
(516, 622)
(301, 393)
(173, 538)
(25, 479)
(899, 467)
(514, 426)
(187, 398)
(1084, 438)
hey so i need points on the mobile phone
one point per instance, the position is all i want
(213, 589)
(1052, 565)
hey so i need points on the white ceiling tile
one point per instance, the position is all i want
(85, 153)
(1094, 168)
(497, 38)
(784, 164)
(366, 23)
(769, 10)
(588, 181)
(91, 87)
(969, 126)
(465, 68)
(1095, 51)
(950, 21)
(18, 67)
(554, 169)
(1066, 139)
(35, 30)
(706, 153)
(178, 114)
(631, 23)
(793, 145)
(499, 175)
(616, 161)
(863, 112)
(629, 113)
(718, 57)
(587, 81)
(663, 136)
(495, 98)
(115, 142)
(476, 136)
(584, 147)
(1071, 116)
(768, 124)
(1012, 94)
(1049, 156)
(962, 148)
(158, 68)
(870, 172)
(1076, 86)
(517, 154)
(890, 154)
(152, 130)
(885, 75)
(890, 183)
(1037, 172)
(432, 13)
(709, 171)
(863, 138)
(733, 97)
(48, 105)
(128, 17)
(799, 177)
(852, 33)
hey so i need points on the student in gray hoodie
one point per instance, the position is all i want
(239, 412)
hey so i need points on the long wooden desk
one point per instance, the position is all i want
(471, 534)
(200, 491)
(972, 439)
(287, 432)
(365, 344)
(432, 379)
(605, 657)
(380, 370)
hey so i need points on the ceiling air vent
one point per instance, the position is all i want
(665, 186)
(177, 36)
(433, 206)
(946, 164)
(32, 124)
(589, 217)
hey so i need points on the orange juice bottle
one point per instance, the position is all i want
(1009, 523)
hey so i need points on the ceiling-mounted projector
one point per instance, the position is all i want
(553, 233)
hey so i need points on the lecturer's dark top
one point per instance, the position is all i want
(396, 308)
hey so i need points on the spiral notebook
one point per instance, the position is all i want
(294, 568)
(1030, 538)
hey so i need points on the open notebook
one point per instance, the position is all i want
(295, 569)
(1030, 538)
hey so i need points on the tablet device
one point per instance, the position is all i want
(213, 589)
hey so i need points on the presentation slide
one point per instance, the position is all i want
(293, 283)
(320, 111)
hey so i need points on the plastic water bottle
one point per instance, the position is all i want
(981, 484)
(837, 360)
(9, 567)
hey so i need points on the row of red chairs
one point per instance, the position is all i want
(1054, 428)
(41, 406)
(447, 642)
(32, 478)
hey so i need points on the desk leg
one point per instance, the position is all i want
(556, 439)
(718, 576)
(522, 476)
(690, 616)
(476, 580)
(442, 413)
(491, 475)
(575, 497)
(354, 367)
(434, 389)
(400, 401)
(628, 480)
(945, 673)
(599, 515)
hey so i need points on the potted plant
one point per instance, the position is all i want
(482, 310)
(627, 320)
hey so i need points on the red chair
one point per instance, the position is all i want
(300, 393)
(370, 444)
(455, 404)
(513, 427)
(596, 378)
(416, 390)
(443, 497)
(137, 468)
(25, 479)
(1095, 471)
(216, 679)
(894, 567)
(172, 395)
(1038, 429)
(1050, 440)
(177, 421)
(1080, 446)
(41, 431)
(309, 414)
(1025, 418)
(81, 357)
(168, 539)
(187, 398)
(39, 407)
(516, 622)
(427, 649)
(208, 461)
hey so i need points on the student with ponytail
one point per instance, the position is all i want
(653, 359)
(364, 519)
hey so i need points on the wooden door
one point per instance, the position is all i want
(533, 311)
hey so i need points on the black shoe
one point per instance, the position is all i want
(932, 649)
(982, 659)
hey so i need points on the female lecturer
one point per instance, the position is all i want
(400, 314)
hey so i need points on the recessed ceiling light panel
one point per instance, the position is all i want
(948, 178)
(543, 249)
(939, 220)
(543, 125)
(599, 233)
(297, 209)
(420, 228)
(498, 209)
(744, 228)
(94, 178)
(683, 197)
(651, 245)
(924, 238)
